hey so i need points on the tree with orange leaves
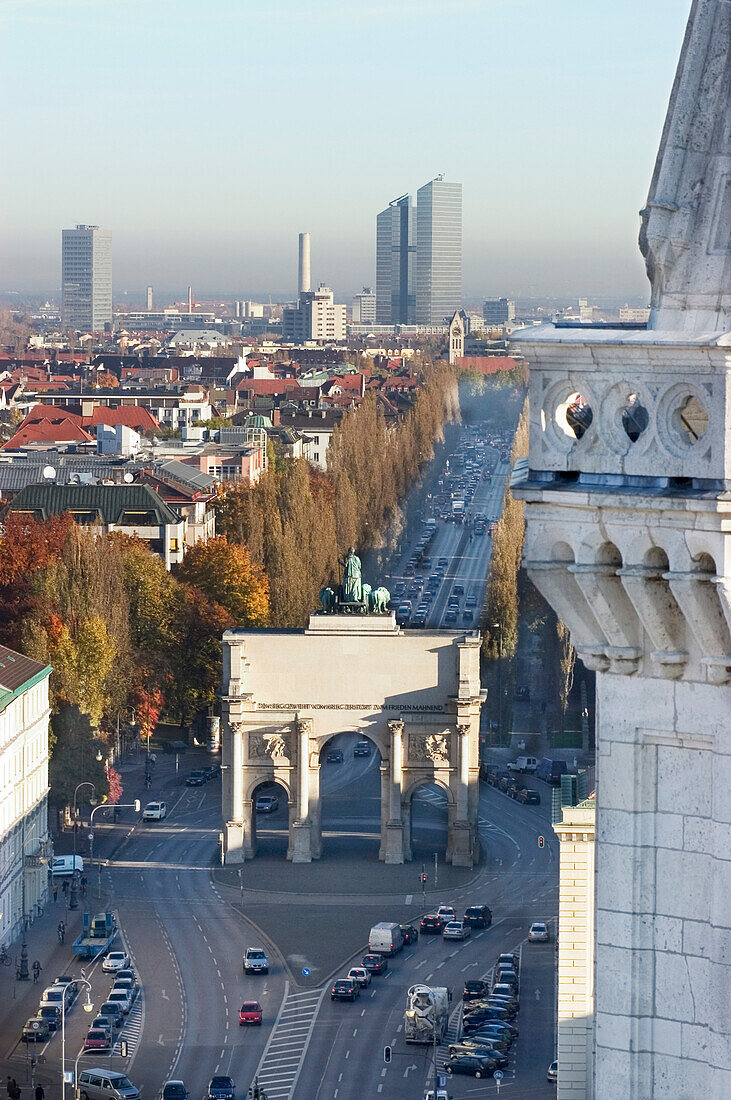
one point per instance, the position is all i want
(226, 574)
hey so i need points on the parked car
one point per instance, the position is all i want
(196, 778)
(410, 933)
(126, 972)
(478, 916)
(335, 756)
(344, 989)
(155, 811)
(375, 963)
(510, 958)
(221, 1087)
(127, 985)
(552, 1072)
(36, 1030)
(475, 989)
(97, 1038)
(174, 1090)
(551, 771)
(456, 930)
(67, 865)
(529, 798)
(450, 617)
(481, 1049)
(104, 1023)
(267, 804)
(538, 932)
(475, 1065)
(506, 989)
(490, 1040)
(51, 1014)
(431, 925)
(115, 960)
(114, 1011)
(60, 996)
(122, 998)
(255, 961)
(250, 1013)
(360, 975)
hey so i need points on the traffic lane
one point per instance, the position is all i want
(535, 1047)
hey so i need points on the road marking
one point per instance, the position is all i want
(362, 1012)
(355, 1030)
(347, 1055)
(384, 1072)
(278, 1072)
(428, 976)
(409, 899)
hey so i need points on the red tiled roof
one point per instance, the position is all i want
(132, 416)
(264, 386)
(59, 428)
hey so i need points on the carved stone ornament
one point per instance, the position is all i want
(304, 725)
(429, 747)
(463, 729)
(269, 746)
(396, 725)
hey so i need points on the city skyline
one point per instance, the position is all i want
(536, 91)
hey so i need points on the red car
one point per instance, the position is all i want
(250, 1013)
(97, 1039)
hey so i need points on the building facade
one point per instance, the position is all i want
(86, 278)
(628, 537)
(364, 307)
(498, 312)
(396, 263)
(315, 317)
(576, 907)
(438, 251)
(24, 842)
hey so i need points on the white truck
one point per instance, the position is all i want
(524, 764)
(386, 938)
(427, 1014)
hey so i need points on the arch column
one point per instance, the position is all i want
(385, 769)
(459, 844)
(300, 826)
(238, 832)
(395, 824)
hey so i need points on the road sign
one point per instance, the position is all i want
(91, 836)
(441, 1080)
(68, 1076)
(83, 973)
(35, 1025)
(498, 1075)
(306, 971)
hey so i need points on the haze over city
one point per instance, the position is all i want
(205, 138)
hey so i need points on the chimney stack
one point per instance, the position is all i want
(303, 283)
(190, 299)
(149, 299)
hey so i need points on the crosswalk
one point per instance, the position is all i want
(280, 1064)
(132, 1028)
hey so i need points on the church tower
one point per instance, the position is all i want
(628, 509)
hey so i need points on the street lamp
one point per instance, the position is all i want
(73, 901)
(498, 627)
(88, 1007)
(136, 806)
(22, 974)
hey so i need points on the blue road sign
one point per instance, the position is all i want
(306, 971)
(498, 1075)
(441, 1080)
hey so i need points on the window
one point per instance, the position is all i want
(174, 546)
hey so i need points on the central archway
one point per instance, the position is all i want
(350, 795)
(427, 817)
(271, 812)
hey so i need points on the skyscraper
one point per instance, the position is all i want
(438, 251)
(86, 278)
(395, 262)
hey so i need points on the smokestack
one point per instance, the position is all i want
(304, 266)
(149, 299)
(190, 299)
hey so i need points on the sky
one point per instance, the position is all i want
(207, 135)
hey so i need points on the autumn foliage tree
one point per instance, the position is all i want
(224, 572)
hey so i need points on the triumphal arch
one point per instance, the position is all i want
(415, 693)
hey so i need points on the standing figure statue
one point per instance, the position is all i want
(352, 586)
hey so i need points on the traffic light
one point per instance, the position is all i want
(423, 876)
(387, 1055)
(541, 841)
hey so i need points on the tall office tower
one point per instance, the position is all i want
(395, 262)
(86, 278)
(438, 251)
(303, 280)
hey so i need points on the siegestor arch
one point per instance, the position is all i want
(264, 779)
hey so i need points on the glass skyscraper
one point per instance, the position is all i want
(395, 263)
(438, 251)
(86, 278)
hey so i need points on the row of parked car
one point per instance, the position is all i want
(489, 1021)
(114, 1010)
(505, 781)
(200, 776)
(56, 1000)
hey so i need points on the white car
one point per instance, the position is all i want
(155, 811)
(360, 975)
(538, 932)
(456, 930)
(447, 911)
(115, 960)
(121, 997)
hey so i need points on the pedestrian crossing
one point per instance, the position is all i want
(280, 1064)
(132, 1028)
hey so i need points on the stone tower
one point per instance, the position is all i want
(628, 508)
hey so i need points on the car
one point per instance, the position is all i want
(360, 975)
(51, 1014)
(409, 570)
(36, 1030)
(552, 1072)
(196, 778)
(506, 989)
(456, 930)
(335, 756)
(419, 621)
(458, 590)
(410, 933)
(377, 964)
(475, 989)
(267, 804)
(212, 771)
(65, 979)
(493, 1040)
(128, 985)
(473, 1064)
(114, 1010)
(471, 601)
(431, 925)
(103, 1023)
(510, 958)
(105, 1084)
(59, 996)
(478, 916)
(529, 797)
(538, 932)
(221, 1088)
(126, 972)
(443, 563)
(363, 748)
(250, 1013)
(97, 1038)
(121, 997)
(499, 1027)
(453, 603)
(485, 1014)
(510, 1007)
(155, 811)
(345, 989)
(174, 1090)
(508, 978)
(447, 912)
(481, 1049)
(255, 961)
(467, 616)
(115, 960)
(450, 617)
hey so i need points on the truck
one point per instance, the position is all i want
(427, 1013)
(96, 937)
(458, 509)
(524, 764)
(386, 938)
(551, 770)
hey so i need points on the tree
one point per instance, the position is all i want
(195, 658)
(224, 572)
(73, 758)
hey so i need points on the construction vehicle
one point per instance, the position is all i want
(96, 937)
(427, 1014)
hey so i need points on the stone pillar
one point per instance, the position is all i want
(385, 770)
(238, 840)
(395, 826)
(559, 588)
(460, 839)
(315, 805)
(301, 827)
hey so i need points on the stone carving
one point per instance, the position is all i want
(464, 729)
(686, 224)
(327, 599)
(378, 600)
(429, 747)
(352, 582)
(268, 746)
(396, 725)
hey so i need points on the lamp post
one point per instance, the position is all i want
(498, 627)
(22, 974)
(88, 1007)
(136, 806)
(73, 900)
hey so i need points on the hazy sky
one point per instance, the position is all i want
(206, 135)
